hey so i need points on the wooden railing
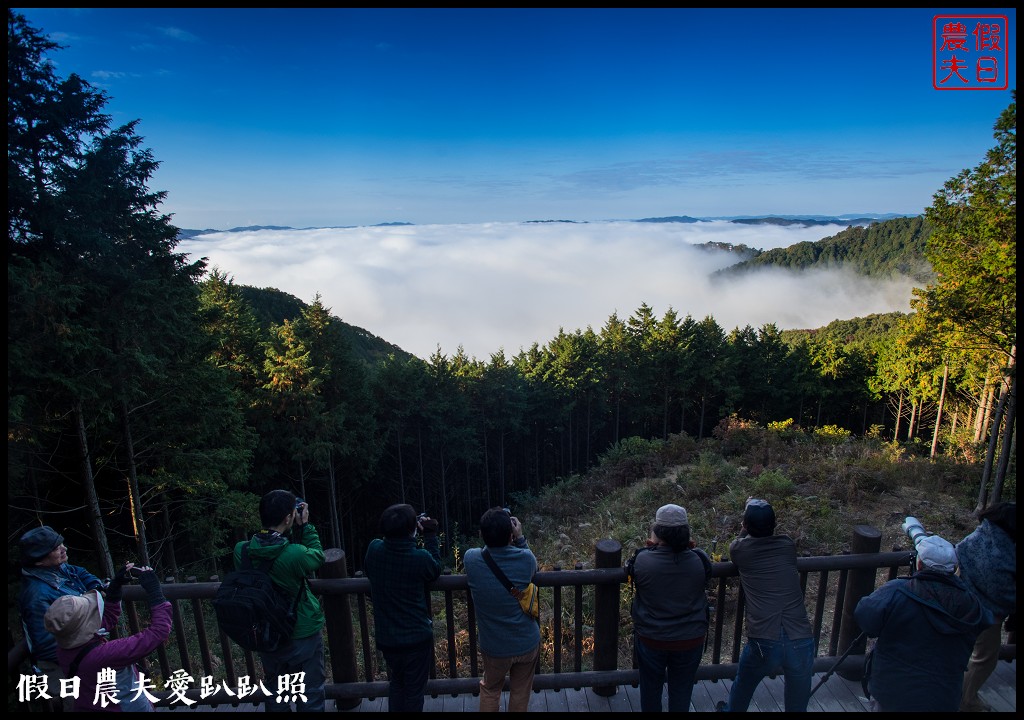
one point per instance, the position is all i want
(586, 630)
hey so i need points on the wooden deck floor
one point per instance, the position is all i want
(836, 695)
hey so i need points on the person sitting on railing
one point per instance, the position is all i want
(399, 573)
(47, 575)
(778, 631)
(926, 625)
(670, 610)
(988, 566)
(109, 678)
(509, 638)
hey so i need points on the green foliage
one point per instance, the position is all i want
(771, 484)
(832, 434)
(882, 249)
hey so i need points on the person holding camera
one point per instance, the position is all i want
(106, 668)
(926, 625)
(988, 567)
(670, 610)
(778, 631)
(290, 540)
(509, 638)
(399, 574)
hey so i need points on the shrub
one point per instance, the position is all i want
(771, 484)
(832, 434)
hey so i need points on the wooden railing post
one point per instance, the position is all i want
(608, 554)
(340, 635)
(860, 582)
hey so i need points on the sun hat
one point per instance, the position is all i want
(671, 516)
(37, 543)
(74, 619)
(936, 553)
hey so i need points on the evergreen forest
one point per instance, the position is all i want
(152, 400)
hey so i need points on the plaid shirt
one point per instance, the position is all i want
(399, 572)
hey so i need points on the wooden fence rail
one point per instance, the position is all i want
(585, 626)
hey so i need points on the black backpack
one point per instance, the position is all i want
(252, 610)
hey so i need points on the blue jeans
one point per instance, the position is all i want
(408, 670)
(761, 657)
(305, 655)
(680, 666)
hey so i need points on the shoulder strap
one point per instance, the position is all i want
(265, 566)
(502, 578)
(73, 669)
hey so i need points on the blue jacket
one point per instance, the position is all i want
(988, 566)
(505, 630)
(40, 586)
(926, 626)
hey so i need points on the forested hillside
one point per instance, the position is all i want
(882, 249)
(151, 401)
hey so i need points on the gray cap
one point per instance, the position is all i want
(671, 516)
(37, 543)
(936, 553)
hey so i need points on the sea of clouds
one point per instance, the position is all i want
(504, 286)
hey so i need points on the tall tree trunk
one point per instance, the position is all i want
(332, 489)
(993, 441)
(899, 419)
(99, 531)
(134, 496)
(938, 414)
(401, 469)
(1009, 433)
(170, 559)
(915, 406)
(423, 482)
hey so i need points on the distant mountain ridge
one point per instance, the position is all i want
(804, 220)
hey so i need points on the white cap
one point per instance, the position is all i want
(936, 553)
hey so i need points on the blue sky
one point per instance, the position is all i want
(340, 117)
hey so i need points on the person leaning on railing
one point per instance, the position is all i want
(778, 631)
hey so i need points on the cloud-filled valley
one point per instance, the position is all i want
(494, 286)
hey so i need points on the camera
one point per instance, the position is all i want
(421, 517)
(299, 502)
(914, 529)
(507, 512)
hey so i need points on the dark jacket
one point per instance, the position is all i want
(926, 626)
(399, 572)
(670, 602)
(295, 560)
(39, 588)
(771, 585)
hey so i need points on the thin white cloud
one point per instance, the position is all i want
(505, 286)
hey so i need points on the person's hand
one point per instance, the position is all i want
(115, 588)
(517, 528)
(428, 526)
(302, 514)
(151, 584)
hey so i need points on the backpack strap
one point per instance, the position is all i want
(265, 566)
(73, 669)
(502, 578)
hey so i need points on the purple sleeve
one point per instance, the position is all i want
(125, 651)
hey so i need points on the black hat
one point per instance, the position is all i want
(759, 518)
(37, 543)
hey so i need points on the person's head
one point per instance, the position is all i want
(75, 619)
(759, 518)
(276, 507)
(496, 527)
(1004, 516)
(935, 553)
(398, 521)
(42, 547)
(672, 527)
